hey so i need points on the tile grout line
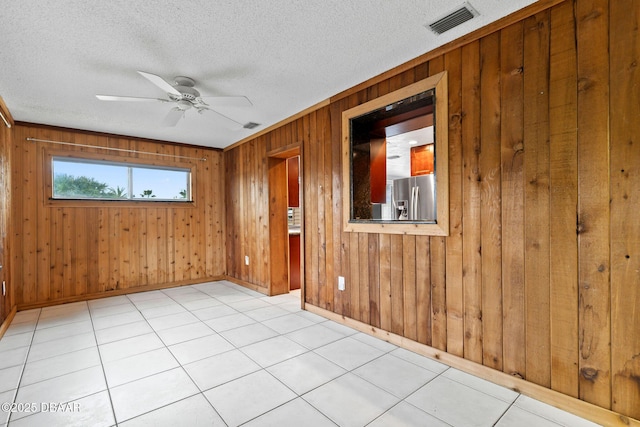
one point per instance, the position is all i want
(235, 348)
(181, 366)
(104, 374)
(261, 368)
(56, 376)
(180, 363)
(24, 365)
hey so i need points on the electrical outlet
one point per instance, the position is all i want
(340, 283)
(246, 260)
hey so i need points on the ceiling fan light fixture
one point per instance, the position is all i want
(184, 81)
(184, 105)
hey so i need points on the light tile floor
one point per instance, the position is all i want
(218, 354)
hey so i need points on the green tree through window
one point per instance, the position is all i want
(79, 186)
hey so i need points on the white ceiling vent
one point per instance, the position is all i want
(453, 19)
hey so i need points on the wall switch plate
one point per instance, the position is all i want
(340, 283)
(246, 260)
(4, 288)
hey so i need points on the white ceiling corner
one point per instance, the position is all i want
(284, 55)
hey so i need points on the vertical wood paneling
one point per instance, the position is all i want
(512, 158)
(93, 254)
(374, 280)
(593, 202)
(216, 262)
(318, 140)
(68, 251)
(537, 214)
(364, 309)
(32, 289)
(17, 208)
(6, 135)
(244, 209)
(397, 301)
(232, 201)
(311, 204)
(625, 198)
(385, 282)
(409, 306)
(563, 162)
(247, 213)
(438, 293)
(353, 279)
(69, 258)
(438, 265)
(330, 202)
(103, 249)
(423, 290)
(135, 233)
(334, 111)
(42, 259)
(180, 244)
(529, 160)
(454, 288)
(253, 246)
(153, 261)
(472, 192)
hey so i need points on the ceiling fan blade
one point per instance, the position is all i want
(230, 123)
(227, 101)
(160, 82)
(173, 117)
(128, 98)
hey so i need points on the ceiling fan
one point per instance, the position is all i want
(185, 97)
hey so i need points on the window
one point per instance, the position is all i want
(74, 178)
(395, 158)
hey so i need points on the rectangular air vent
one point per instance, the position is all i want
(453, 19)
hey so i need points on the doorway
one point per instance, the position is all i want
(294, 220)
(286, 227)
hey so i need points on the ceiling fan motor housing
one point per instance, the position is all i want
(187, 92)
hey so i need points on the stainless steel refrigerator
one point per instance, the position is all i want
(414, 198)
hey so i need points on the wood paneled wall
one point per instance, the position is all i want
(247, 214)
(6, 301)
(74, 251)
(539, 277)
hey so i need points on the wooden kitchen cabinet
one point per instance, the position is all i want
(378, 173)
(294, 261)
(422, 160)
(293, 182)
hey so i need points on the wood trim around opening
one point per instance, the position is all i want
(47, 157)
(441, 228)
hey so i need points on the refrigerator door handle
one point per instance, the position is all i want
(415, 204)
(413, 192)
(393, 200)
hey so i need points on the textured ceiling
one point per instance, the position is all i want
(284, 55)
